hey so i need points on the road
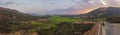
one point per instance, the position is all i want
(112, 28)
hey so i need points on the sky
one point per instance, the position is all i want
(52, 7)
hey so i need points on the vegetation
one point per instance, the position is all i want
(55, 25)
(12, 21)
(113, 19)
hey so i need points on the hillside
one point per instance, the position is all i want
(10, 20)
(14, 14)
(103, 12)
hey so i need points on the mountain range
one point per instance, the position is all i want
(103, 12)
(97, 13)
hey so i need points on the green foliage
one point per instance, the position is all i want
(66, 29)
(57, 19)
(48, 26)
(53, 22)
(82, 27)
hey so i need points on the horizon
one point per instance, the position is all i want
(59, 17)
(56, 7)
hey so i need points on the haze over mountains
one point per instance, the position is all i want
(100, 12)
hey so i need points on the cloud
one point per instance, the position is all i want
(52, 6)
(103, 2)
(84, 10)
(9, 3)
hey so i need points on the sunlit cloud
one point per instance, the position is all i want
(103, 2)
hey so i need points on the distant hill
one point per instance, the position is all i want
(7, 11)
(103, 12)
(14, 14)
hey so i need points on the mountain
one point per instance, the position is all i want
(14, 14)
(103, 12)
(9, 11)
(10, 20)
